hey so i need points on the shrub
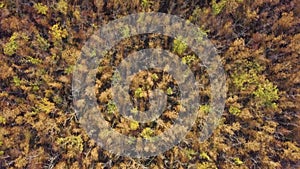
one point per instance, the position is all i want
(11, 46)
(71, 142)
(58, 33)
(41, 9)
(2, 120)
(237, 161)
(204, 109)
(188, 59)
(111, 107)
(169, 91)
(134, 125)
(138, 93)
(147, 133)
(179, 45)
(234, 110)
(218, 7)
(146, 3)
(17, 81)
(42, 43)
(204, 156)
(62, 6)
(266, 94)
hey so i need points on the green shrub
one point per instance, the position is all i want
(169, 91)
(34, 61)
(42, 43)
(237, 161)
(188, 59)
(125, 31)
(147, 133)
(134, 125)
(204, 109)
(2, 5)
(138, 93)
(62, 6)
(17, 81)
(189, 153)
(234, 110)
(218, 7)
(266, 94)
(73, 142)
(179, 45)
(111, 107)
(204, 156)
(11, 46)
(58, 33)
(154, 76)
(2, 120)
(146, 3)
(41, 9)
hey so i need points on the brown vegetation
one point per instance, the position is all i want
(258, 42)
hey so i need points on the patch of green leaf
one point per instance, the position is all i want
(237, 161)
(138, 93)
(11, 46)
(179, 45)
(2, 120)
(74, 142)
(266, 94)
(41, 9)
(188, 59)
(147, 133)
(111, 107)
(234, 110)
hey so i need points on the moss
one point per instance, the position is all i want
(46, 106)
(179, 45)
(17, 81)
(188, 59)
(204, 156)
(237, 161)
(2, 5)
(134, 125)
(218, 7)
(41, 9)
(234, 110)
(58, 33)
(134, 110)
(249, 73)
(206, 165)
(154, 76)
(62, 6)
(204, 109)
(76, 14)
(111, 107)
(2, 120)
(138, 93)
(147, 133)
(169, 91)
(11, 46)
(125, 31)
(34, 61)
(267, 94)
(42, 43)
(146, 3)
(189, 153)
(71, 142)
(69, 69)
